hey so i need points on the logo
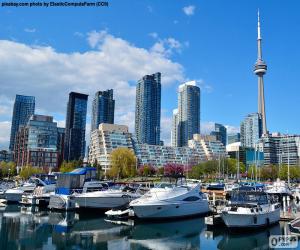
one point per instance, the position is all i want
(283, 241)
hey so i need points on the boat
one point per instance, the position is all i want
(216, 186)
(250, 209)
(14, 195)
(231, 186)
(80, 180)
(294, 226)
(39, 197)
(116, 196)
(279, 189)
(171, 200)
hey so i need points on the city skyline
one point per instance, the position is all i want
(179, 55)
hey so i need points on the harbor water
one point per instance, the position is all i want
(34, 228)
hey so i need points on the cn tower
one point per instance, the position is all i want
(260, 68)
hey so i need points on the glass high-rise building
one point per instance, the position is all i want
(36, 143)
(232, 138)
(251, 130)
(74, 145)
(103, 108)
(220, 133)
(147, 111)
(174, 131)
(188, 112)
(24, 107)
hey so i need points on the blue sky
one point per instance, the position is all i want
(50, 52)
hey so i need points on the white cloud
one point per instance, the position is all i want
(232, 129)
(28, 30)
(4, 134)
(189, 10)
(168, 46)
(207, 127)
(205, 87)
(50, 75)
(95, 38)
(166, 126)
(6, 106)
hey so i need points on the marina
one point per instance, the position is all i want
(174, 213)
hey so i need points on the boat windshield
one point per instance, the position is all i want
(164, 185)
(249, 197)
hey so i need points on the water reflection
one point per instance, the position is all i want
(33, 228)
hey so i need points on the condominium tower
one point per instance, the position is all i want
(147, 111)
(251, 130)
(221, 133)
(188, 112)
(103, 110)
(74, 145)
(24, 107)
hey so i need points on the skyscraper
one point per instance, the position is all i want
(220, 133)
(103, 108)
(147, 111)
(75, 127)
(188, 112)
(251, 130)
(174, 132)
(260, 68)
(24, 107)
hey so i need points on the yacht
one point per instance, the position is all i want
(80, 180)
(14, 195)
(279, 189)
(107, 199)
(170, 200)
(250, 210)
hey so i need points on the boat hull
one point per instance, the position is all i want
(239, 220)
(61, 202)
(171, 210)
(102, 202)
(13, 196)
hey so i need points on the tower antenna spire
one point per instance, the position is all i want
(260, 68)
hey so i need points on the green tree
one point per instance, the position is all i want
(99, 168)
(269, 172)
(28, 171)
(123, 163)
(67, 166)
(8, 169)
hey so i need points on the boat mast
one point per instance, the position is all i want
(238, 166)
(287, 143)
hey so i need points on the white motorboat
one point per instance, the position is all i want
(250, 210)
(167, 200)
(107, 199)
(15, 194)
(80, 180)
(280, 189)
(39, 197)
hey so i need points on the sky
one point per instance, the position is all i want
(49, 52)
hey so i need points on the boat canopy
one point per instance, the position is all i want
(82, 171)
(249, 197)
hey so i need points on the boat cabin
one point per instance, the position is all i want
(67, 183)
